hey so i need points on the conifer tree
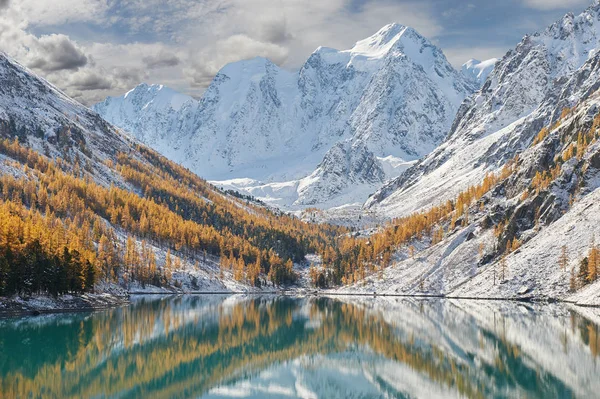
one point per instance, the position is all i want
(168, 268)
(593, 261)
(563, 259)
(573, 281)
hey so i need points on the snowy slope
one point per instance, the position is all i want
(468, 262)
(478, 71)
(550, 80)
(527, 89)
(162, 102)
(345, 119)
(30, 103)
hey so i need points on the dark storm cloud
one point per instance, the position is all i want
(161, 60)
(4, 4)
(90, 80)
(57, 52)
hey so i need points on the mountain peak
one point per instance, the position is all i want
(160, 95)
(574, 25)
(389, 32)
(385, 39)
(478, 71)
(248, 66)
(472, 62)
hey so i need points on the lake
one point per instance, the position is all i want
(284, 347)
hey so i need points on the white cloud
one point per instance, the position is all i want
(47, 53)
(200, 36)
(163, 59)
(237, 47)
(289, 32)
(185, 42)
(56, 12)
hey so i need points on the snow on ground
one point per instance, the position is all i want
(452, 268)
(535, 265)
(350, 215)
(587, 296)
(433, 270)
(289, 195)
(463, 169)
(478, 71)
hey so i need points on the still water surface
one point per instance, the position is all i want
(268, 347)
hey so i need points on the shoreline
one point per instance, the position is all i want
(9, 307)
(41, 304)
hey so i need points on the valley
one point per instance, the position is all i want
(249, 199)
(379, 169)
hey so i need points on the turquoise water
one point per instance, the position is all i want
(268, 347)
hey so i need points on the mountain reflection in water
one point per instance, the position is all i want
(282, 347)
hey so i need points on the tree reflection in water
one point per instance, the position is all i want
(219, 346)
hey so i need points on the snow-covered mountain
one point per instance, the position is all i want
(29, 104)
(478, 71)
(330, 133)
(527, 89)
(539, 112)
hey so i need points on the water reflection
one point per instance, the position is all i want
(211, 346)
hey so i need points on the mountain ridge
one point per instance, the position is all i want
(393, 94)
(520, 96)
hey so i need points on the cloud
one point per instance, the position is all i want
(103, 47)
(161, 60)
(93, 83)
(274, 31)
(57, 12)
(165, 41)
(205, 66)
(289, 33)
(54, 53)
(128, 77)
(89, 80)
(556, 4)
(99, 78)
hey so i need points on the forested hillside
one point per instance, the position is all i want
(59, 228)
(82, 203)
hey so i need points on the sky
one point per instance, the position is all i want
(95, 48)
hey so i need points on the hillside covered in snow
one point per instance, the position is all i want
(520, 169)
(327, 135)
